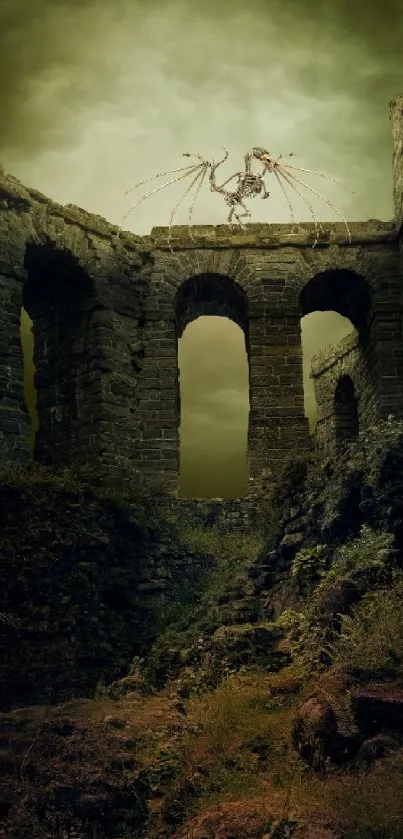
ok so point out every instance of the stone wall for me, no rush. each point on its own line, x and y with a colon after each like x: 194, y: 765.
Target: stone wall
x: 396, y: 121
x: 225, y: 516
x: 280, y: 279
x: 338, y: 366
x: 108, y: 312
x: 86, y: 303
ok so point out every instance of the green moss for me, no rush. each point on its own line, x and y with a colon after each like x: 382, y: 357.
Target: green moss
x: 308, y: 564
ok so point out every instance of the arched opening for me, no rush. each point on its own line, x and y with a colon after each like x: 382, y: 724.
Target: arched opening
x: 345, y: 412
x: 213, y: 428
x: 334, y: 304
x: 319, y: 332
x: 213, y: 388
x: 57, y: 302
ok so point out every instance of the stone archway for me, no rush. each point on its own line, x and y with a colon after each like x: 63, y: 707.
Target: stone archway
x: 319, y: 331
x: 339, y: 290
x: 211, y: 294
x: 123, y: 388
x: 334, y: 369
x: 57, y: 297
x: 219, y: 297
x: 345, y: 412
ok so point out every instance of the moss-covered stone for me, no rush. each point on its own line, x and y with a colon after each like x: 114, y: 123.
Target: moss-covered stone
x: 86, y: 584
x: 252, y: 645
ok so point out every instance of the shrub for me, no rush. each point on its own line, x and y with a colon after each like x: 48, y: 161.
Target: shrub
x: 369, y: 556
x: 308, y: 564
x: 379, y: 617
x: 363, y: 563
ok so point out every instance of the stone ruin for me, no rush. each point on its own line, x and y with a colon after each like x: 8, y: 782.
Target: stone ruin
x: 107, y: 314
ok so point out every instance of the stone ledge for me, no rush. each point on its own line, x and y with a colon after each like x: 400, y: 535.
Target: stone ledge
x: 372, y: 231
x: 327, y: 358
x: 14, y: 194
x: 258, y: 236
x: 224, y: 515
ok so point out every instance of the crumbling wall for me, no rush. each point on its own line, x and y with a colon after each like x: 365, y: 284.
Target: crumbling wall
x: 329, y: 367
x: 224, y: 515
x: 85, y: 298
x: 396, y: 122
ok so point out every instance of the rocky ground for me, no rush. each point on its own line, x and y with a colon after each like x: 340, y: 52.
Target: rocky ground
x: 256, y: 757
x: 261, y: 695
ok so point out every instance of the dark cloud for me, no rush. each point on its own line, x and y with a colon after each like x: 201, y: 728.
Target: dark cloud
x: 49, y: 70
x: 60, y: 57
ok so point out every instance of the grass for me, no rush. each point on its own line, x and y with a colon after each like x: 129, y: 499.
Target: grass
x: 187, y: 623
x: 239, y: 744
x: 220, y: 761
x: 227, y: 760
x: 378, y: 616
x: 233, y: 552
x: 368, y: 805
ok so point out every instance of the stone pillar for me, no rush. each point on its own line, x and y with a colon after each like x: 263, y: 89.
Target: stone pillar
x: 14, y: 419
x: 396, y: 120
x: 86, y: 393
x: 106, y: 380
x: 394, y: 356
x: 277, y: 425
x: 386, y: 342
x: 158, y: 404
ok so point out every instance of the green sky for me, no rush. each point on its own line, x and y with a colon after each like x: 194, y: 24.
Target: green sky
x: 95, y: 96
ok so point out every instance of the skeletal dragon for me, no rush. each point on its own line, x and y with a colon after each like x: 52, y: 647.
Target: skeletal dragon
x: 249, y: 184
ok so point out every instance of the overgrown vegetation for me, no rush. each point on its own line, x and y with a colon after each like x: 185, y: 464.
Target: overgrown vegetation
x: 357, y: 570
x: 86, y: 583
x: 195, y: 742
x: 183, y: 641
x: 378, y: 617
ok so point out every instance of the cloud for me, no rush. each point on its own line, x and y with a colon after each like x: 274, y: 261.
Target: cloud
x: 129, y: 84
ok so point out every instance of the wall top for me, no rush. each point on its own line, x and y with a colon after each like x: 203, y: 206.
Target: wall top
x: 15, y: 196
x: 330, y: 354
x: 272, y: 235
